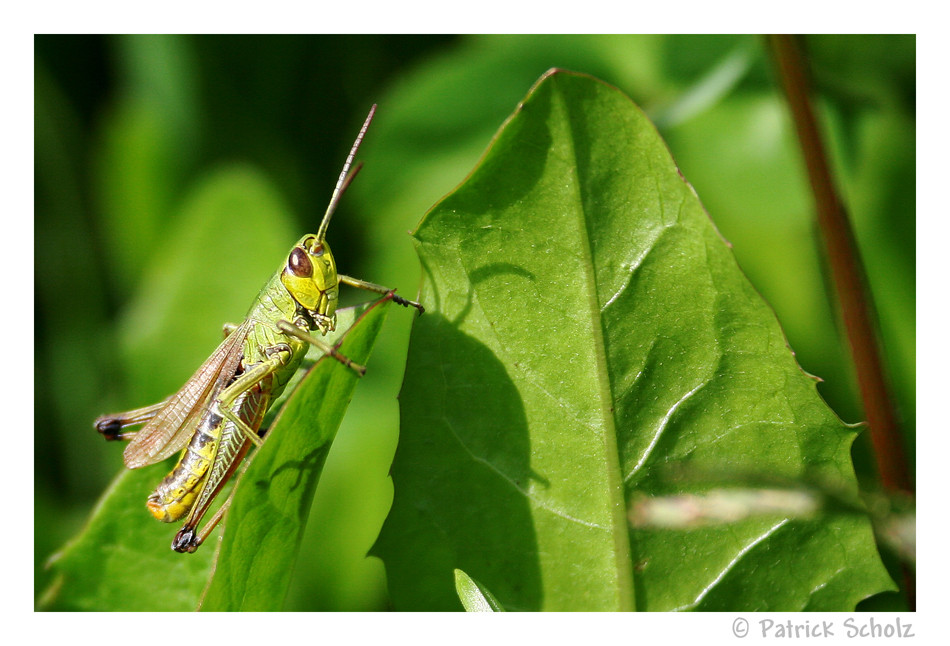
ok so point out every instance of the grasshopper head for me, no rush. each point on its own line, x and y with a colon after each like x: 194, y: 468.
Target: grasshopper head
x: 310, y: 276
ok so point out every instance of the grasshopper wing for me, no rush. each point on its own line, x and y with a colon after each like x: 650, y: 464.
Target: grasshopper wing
x: 172, y: 427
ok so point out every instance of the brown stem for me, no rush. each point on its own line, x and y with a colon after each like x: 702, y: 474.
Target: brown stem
x: 847, y: 273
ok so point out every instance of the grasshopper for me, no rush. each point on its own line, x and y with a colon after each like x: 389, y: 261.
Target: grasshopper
x: 216, y: 416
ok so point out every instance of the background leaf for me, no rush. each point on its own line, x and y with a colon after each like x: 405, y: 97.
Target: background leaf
x: 588, y: 329
x: 122, y: 560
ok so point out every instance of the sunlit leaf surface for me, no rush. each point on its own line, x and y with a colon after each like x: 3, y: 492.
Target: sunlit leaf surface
x: 588, y: 329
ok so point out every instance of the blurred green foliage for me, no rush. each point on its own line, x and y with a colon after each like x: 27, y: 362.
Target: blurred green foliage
x: 136, y: 137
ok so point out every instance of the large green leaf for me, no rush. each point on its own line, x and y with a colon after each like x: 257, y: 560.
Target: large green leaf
x: 587, y: 329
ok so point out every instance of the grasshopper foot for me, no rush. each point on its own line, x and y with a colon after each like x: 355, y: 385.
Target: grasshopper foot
x: 185, y: 541
x: 407, y: 303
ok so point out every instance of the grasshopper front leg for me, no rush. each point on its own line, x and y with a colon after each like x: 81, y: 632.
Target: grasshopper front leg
x: 294, y: 331
x: 380, y: 289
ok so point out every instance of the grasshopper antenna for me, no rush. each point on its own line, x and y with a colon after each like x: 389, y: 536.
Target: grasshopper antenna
x: 345, y: 178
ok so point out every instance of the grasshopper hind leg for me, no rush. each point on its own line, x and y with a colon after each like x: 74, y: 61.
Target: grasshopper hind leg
x: 188, y: 539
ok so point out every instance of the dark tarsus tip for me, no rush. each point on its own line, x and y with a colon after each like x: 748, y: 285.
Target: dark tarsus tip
x: 185, y: 541
x: 407, y: 303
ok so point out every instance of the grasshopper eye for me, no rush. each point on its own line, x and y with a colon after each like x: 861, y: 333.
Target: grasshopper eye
x: 299, y: 264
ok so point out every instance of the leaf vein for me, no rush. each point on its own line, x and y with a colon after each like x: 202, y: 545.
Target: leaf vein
x: 663, y: 425
x: 504, y: 476
x: 731, y: 564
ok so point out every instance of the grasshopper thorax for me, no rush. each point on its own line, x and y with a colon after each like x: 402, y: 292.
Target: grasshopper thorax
x: 310, y: 276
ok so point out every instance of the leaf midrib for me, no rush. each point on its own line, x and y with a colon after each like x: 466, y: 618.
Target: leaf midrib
x: 624, y: 562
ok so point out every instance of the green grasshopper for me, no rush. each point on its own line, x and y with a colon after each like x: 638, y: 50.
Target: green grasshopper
x: 219, y: 411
